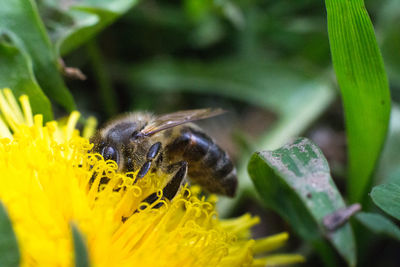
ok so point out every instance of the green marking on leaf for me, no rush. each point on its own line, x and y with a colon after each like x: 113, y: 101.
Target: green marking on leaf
x: 16, y: 73
x: 365, y: 91
x: 387, y: 197
x: 80, y: 249
x: 21, y: 17
x: 379, y: 224
x: 295, y: 181
x: 9, y: 251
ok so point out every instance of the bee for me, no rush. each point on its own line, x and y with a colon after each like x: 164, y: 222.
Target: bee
x: 171, y: 143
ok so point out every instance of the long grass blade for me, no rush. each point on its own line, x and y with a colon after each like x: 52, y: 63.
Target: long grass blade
x: 364, y: 87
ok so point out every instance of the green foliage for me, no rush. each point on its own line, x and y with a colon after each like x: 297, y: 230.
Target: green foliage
x: 388, y: 19
x: 379, y: 224
x: 310, y: 100
x: 103, y: 80
x: 271, y: 56
x: 22, y: 19
x: 9, y: 251
x: 389, y: 167
x: 249, y: 80
x: 295, y: 181
x: 364, y: 88
x: 386, y: 196
x: 72, y: 24
x: 16, y: 73
x: 68, y: 30
x: 80, y: 249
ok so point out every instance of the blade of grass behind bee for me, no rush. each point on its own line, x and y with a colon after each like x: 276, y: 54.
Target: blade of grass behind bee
x: 364, y: 87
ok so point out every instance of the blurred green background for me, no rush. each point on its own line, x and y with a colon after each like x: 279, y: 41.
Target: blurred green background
x: 267, y: 62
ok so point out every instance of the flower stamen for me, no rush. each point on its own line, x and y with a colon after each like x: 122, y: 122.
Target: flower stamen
x: 49, y: 179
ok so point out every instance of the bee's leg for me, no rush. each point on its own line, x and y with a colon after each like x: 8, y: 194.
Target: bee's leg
x: 175, y: 183
x: 143, y: 170
x: 170, y: 190
x: 103, y: 179
x: 151, y: 198
x: 154, y: 150
x: 172, y: 187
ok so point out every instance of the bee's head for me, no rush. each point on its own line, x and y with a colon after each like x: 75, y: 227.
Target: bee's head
x: 109, y: 150
x: 117, y: 140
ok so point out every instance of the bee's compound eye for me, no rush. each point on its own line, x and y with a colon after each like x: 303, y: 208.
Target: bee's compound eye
x: 109, y: 152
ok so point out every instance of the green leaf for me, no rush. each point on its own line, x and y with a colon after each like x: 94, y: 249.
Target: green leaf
x: 75, y: 23
x: 16, y: 73
x: 80, y: 249
x: 387, y: 197
x: 379, y: 224
x: 365, y: 91
x: 21, y: 17
x: 295, y: 181
x: 9, y: 251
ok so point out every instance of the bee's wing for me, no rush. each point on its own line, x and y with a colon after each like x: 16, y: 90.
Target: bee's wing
x: 170, y: 120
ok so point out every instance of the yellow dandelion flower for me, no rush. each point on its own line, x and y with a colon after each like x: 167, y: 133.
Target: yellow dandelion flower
x: 49, y: 181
